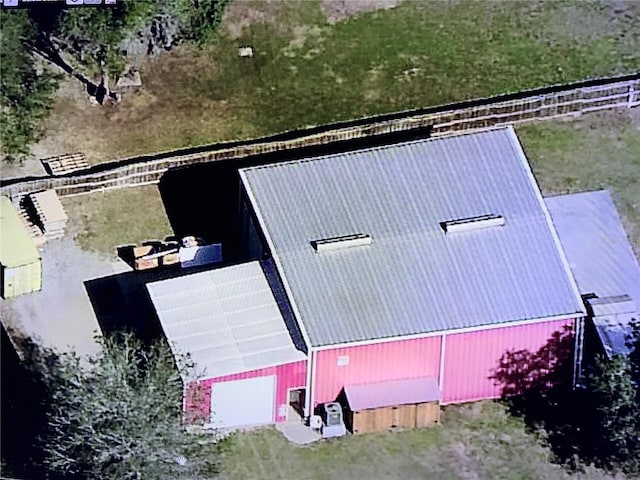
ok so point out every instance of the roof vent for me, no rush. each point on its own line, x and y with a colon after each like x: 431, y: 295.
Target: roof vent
x: 345, y: 241
x: 472, y: 223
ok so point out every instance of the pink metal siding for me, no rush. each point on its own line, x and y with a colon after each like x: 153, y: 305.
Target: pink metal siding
x: 470, y: 358
x: 374, y: 363
x: 290, y: 375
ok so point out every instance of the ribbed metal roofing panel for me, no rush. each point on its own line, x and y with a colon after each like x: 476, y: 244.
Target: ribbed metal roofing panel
x: 413, y: 278
x: 227, y: 320
x: 596, y: 245
x: 601, y: 259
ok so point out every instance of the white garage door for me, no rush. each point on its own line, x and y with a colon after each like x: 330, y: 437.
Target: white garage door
x: 243, y: 402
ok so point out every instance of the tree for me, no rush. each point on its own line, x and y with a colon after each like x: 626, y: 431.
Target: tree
x: 91, y: 36
x: 613, y: 394
x: 87, y: 41
x: 94, y: 37
x: 84, y: 43
x: 612, y: 427
x: 121, y: 417
x: 26, y: 92
x: 198, y: 18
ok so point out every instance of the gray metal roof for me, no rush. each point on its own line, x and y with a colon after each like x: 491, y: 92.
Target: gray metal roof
x: 392, y: 393
x: 227, y: 320
x: 601, y: 259
x: 413, y: 278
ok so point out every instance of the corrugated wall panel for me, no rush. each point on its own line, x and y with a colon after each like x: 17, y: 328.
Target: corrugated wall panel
x: 290, y: 375
x: 471, y: 358
x: 374, y: 363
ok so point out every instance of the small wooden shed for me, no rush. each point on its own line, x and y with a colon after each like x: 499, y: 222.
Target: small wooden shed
x: 410, y: 403
x: 20, y: 264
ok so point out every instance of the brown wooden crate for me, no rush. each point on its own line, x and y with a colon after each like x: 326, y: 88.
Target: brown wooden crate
x: 359, y: 422
x: 170, y: 259
x: 141, y: 264
x: 382, y: 419
x: 372, y: 420
x: 141, y: 251
x: 404, y: 416
x: 427, y: 414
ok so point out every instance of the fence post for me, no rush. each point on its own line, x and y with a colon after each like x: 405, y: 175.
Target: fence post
x: 632, y: 92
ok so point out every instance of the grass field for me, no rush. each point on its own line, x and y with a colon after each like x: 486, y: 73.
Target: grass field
x: 308, y: 71
x: 102, y: 221
x: 475, y: 442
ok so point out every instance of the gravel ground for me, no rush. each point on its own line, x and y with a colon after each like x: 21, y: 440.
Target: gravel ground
x: 61, y: 315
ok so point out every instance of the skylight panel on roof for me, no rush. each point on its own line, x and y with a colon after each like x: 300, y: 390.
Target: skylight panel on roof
x: 472, y: 223
x: 345, y: 241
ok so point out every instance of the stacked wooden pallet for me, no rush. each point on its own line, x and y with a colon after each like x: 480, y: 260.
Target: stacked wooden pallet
x: 32, y: 229
x: 50, y: 212
x: 64, y: 164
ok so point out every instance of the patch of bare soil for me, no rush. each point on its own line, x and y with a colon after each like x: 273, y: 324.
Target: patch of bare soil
x: 623, y: 9
x: 60, y: 137
x: 77, y: 133
x: 241, y: 14
x: 15, y: 170
x: 582, y: 22
x: 339, y: 10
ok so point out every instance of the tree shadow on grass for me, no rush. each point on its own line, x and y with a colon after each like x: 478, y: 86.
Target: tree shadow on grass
x: 537, y: 386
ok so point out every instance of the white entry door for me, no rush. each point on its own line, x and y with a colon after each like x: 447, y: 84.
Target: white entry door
x: 243, y: 402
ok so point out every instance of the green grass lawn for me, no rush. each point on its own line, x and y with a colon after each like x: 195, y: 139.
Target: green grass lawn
x: 102, y: 221
x: 476, y: 441
x: 306, y: 71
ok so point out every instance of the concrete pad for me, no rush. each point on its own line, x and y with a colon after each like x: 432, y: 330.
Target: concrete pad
x: 298, y: 433
x: 61, y: 315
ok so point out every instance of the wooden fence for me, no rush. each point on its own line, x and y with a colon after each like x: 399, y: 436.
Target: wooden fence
x: 545, y: 103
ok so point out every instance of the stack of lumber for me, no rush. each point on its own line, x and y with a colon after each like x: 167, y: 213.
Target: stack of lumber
x: 32, y: 229
x: 50, y: 212
x: 63, y: 164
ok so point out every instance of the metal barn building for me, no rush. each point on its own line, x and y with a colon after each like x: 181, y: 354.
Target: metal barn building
x: 228, y: 322
x: 425, y: 260
x: 20, y: 263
